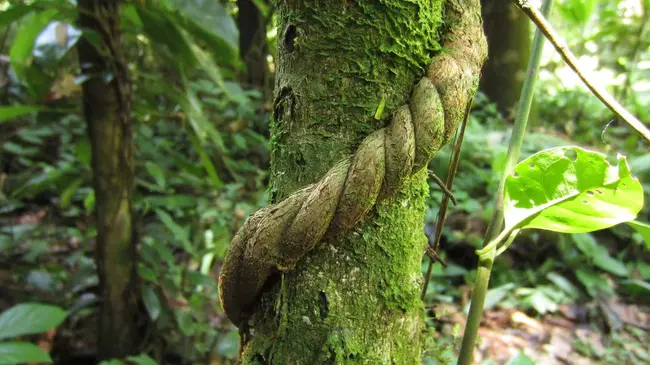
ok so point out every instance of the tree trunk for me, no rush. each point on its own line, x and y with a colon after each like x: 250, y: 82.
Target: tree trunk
x: 355, y: 299
x: 107, y: 107
x: 330, y: 273
x: 509, y: 40
x: 253, y: 48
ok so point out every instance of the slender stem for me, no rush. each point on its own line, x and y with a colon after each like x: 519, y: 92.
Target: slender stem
x: 507, y: 244
x: 454, y: 160
x: 496, y: 222
x: 572, y: 61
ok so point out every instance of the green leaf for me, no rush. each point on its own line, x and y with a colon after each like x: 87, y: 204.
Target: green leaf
x: 599, y: 254
x: 83, y: 151
x: 520, y: 359
x: 643, y: 229
x: 151, y: 302
x: 636, y: 287
x: 205, y: 160
x: 496, y: 295
x: 565, y: 285
x: 594, y: 283
x: 179, y: 232
x: 157, y: 173
x: 22, y: 352
x: 161, y: 29
x: 112, y: 362
x: 8, y: 113
x: 30, y: 318
x: 68, y: 193
x: 210, y: 22
x: 142, y: 359
x: 570, y: 190
x: 14, y: 14
x: 20, y: 54
x: 577, y: 11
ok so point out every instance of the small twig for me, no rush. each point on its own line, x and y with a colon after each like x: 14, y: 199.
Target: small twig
x: 443, y: 187
x: 433, y: 255
x: 442, y: 212
x: 571, y: 60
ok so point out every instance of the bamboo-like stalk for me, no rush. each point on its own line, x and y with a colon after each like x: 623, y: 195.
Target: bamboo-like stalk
x: 496, y: 222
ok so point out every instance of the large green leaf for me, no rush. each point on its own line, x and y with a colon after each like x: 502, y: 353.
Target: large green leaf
x: 30, y: 318
x: 20, y: 54
x: 570, y: 190
x: 577, y: 11
x: 210, y: 22
x: 16, y: 12
x: 643, y: 229
x: 22, y: 352
x: 8, y: 113
x: 162, y: 26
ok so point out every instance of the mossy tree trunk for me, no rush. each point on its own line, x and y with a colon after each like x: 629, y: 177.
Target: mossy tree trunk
x: 355, y: 299
x: 509, y: 40
x: 107, y: 107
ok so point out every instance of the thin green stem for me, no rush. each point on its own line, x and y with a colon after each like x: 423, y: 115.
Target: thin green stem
x: 496, y: 222
x: 505, y: 246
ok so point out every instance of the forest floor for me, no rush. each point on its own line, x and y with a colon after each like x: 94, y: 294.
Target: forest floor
x: 619, y: 335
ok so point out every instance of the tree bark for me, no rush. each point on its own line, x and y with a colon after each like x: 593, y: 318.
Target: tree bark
x: 355, y: 299
x: 509, y: 41
x: 107, y: 108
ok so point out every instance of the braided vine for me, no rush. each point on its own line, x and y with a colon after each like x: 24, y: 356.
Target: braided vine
x: 276, y: 237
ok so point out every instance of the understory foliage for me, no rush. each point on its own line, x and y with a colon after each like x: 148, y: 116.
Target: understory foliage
x: 202, y: 163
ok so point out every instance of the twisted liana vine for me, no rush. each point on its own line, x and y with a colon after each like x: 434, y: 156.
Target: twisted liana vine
x: 276, y: 237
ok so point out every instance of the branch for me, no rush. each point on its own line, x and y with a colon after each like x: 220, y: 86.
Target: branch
x: 571, y: 60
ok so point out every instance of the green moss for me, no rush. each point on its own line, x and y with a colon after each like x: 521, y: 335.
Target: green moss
x: 354, y: 299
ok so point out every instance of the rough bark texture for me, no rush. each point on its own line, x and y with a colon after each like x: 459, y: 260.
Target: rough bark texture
x: 355, y: 298
x: 107, y: 107
x: 509, y: 41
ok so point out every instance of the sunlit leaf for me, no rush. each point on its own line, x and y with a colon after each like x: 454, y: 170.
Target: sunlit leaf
x: 12, y: 353
x: 571, y: 190
x: 577, y: 11
x: 29, y: 318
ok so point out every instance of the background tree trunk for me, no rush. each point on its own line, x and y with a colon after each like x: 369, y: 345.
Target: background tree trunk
x: 107, y: 107
x: 509, y: 41
x: 253, y: 48
x: 355, y: 299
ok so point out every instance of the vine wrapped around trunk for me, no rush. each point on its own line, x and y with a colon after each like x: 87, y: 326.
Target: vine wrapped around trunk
x: 276, y: 237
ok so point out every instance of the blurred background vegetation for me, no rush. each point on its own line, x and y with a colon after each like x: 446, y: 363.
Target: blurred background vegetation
x: 202, y: 74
